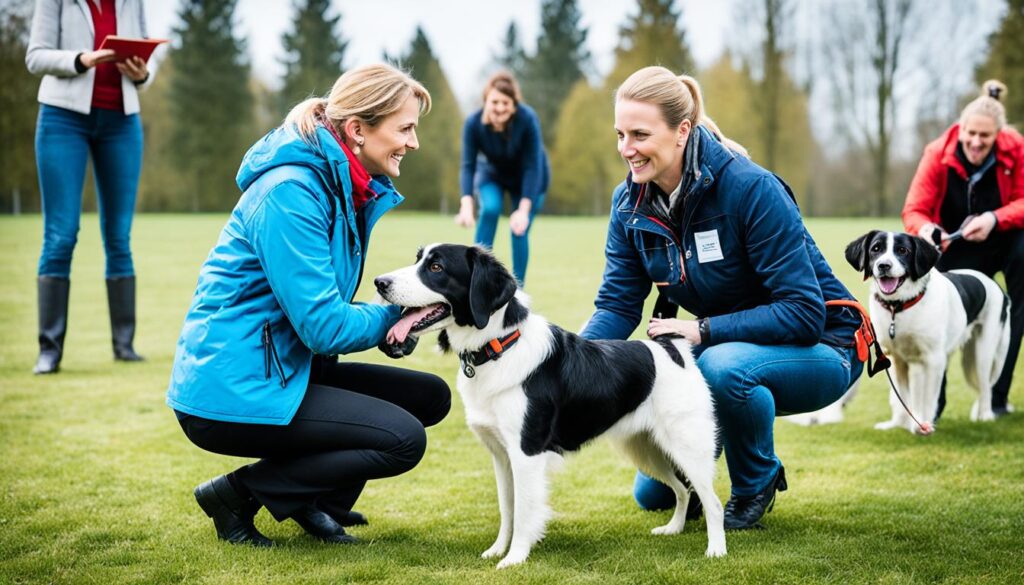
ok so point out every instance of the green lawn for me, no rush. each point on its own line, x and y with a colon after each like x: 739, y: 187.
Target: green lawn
x: 96, y: 477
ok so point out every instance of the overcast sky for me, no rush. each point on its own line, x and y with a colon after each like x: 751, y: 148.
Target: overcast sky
x: 464, y: 34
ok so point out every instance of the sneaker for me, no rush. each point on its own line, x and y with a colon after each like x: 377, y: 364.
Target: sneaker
x: 745, y: 512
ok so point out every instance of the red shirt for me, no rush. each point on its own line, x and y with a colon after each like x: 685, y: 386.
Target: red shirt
x: 106, y: 90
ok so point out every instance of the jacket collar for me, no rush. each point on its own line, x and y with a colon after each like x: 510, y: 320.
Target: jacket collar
x: 712, y: 158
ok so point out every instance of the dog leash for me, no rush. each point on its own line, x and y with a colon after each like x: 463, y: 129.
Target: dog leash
x: 865, y: 338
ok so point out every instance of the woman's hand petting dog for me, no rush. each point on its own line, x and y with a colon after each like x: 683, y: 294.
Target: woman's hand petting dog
x: 688, y: 330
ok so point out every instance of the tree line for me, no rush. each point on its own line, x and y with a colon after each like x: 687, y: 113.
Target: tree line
x: 878, y: 77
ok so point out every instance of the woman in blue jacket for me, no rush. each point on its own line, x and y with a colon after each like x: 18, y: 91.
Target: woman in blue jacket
x: 507, y: 133
x: 723, y: 239
x: 256, y: 371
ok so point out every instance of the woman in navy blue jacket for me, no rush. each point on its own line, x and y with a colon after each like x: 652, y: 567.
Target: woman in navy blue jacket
x: 507, y: 133
x: 723, y: 239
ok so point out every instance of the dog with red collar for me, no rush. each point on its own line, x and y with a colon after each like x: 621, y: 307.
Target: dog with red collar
x: 533, y: 391
x: 921, y: 316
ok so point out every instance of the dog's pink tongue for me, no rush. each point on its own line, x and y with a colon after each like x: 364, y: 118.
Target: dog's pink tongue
x: 888, y: 285
x: 400, y: 331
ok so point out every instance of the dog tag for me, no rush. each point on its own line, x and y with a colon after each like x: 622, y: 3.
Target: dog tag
x: 468, y: 370
x: 892, y: 330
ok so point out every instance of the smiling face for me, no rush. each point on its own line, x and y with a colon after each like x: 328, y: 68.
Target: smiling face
x: 653, y: 150
x: 898, y: 262
x: 386, y: 143
x: 977, y: 136
x: 498, y: 109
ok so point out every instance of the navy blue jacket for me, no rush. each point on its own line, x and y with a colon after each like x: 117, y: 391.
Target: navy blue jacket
x: 758, y: 277
x: 515, y: 158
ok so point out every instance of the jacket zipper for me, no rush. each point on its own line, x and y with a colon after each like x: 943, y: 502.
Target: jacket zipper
x: 270, y: 354
x: 679, y: 247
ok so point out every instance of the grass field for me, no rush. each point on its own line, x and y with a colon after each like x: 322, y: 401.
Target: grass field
x: 96, y: 477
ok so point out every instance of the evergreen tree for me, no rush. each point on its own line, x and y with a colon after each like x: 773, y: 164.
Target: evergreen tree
x: 210, y: 103
x: 1006, y: 60
x: 17, y: 114
x: 313, y: 53
x: 512, y: 56
x: 558, y: 63
x: 430, y: 175
x: 651, y: 37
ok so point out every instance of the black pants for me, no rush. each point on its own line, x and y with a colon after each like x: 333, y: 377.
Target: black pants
x: 357, y: 422
x: 1002, y: 251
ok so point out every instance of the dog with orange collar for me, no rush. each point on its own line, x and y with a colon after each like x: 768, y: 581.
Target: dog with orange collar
x: 533, y: 391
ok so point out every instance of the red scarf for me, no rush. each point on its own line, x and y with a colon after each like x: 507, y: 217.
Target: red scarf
x: 361, y: 192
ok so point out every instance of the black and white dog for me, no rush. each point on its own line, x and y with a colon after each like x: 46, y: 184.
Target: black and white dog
x: 922, y: 315
x: 532, y: 391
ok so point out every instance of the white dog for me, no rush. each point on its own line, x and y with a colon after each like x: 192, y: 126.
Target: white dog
x: 922, y: 315
x: 533, y: 391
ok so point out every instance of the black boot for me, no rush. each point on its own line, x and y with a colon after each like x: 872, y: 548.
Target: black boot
x: 52, y: 292
x: 121, y: 302
x: 321, y: 525
x: 744, y: 512
x: 232, y: 514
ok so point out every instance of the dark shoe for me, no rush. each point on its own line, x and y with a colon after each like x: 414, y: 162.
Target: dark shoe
x: 231, y: 513
x: 320, y: 525
x: 350, y: 518
x: 745, y: 512
x: 52, y: 293
x: 121, y: 302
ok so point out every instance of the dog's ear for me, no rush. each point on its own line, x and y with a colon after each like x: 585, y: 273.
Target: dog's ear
x: 490, y: 285
x: 924, y: 257
x: 857, y: 253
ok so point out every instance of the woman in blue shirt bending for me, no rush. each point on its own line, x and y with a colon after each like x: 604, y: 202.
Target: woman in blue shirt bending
x: 507, y: 132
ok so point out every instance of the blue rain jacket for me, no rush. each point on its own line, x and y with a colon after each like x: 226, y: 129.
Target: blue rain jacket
x: 278, y: 285
x: 741, y: 257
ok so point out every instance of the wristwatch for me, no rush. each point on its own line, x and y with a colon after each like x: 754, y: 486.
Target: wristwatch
x: 704, y: 328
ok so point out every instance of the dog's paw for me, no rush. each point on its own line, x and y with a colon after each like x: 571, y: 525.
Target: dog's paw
x: 398, y: 350
x: 886, y: 425
x: 714, y: 551
x: 513, y: 558
x: 667, y: 529
x: 496, y: 550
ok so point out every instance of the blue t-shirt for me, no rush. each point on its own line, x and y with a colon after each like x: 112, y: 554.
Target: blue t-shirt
x: 515, y: 158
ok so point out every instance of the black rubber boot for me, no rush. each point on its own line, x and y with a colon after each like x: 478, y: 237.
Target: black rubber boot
x: 52, y: 292
x: 121, y: 302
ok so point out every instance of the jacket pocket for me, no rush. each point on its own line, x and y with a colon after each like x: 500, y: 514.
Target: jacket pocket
x: 271, y: 360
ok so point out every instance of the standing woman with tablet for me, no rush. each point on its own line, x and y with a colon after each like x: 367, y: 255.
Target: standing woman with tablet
x: 89, y: 107
x: 507, y: 133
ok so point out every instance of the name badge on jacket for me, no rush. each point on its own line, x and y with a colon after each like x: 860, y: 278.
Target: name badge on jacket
x: 709, y: 249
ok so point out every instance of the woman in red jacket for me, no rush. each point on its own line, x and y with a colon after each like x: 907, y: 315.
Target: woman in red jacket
x: 968, y: 197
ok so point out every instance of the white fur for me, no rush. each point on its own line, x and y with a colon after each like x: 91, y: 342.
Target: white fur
x: 928, y: 332
x: 673, y: 428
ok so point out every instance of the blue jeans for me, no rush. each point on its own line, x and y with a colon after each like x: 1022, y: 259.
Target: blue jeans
x: 751, y: 384
x: 64, y: 142
x: 491, y: 198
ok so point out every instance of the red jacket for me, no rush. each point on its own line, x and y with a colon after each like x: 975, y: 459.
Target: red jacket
x: 928, y: 189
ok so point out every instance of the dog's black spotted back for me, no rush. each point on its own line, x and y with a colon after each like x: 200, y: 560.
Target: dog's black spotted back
x: 972, y: 293
x: 575, y: 378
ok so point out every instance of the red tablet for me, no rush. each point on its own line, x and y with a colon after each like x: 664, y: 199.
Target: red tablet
x: 127, y: 47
